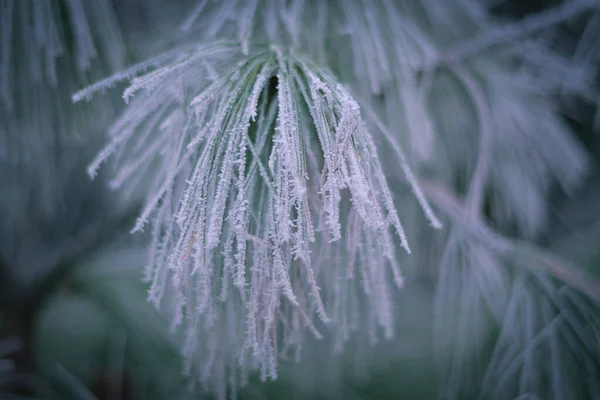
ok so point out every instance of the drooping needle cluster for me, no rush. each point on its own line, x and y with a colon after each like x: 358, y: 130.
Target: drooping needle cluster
x: 269, y: 208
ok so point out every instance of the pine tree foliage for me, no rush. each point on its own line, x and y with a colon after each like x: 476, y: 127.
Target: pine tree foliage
x: 48, y: 49
x: 268, y: 205
x: 258, y: 173
x: 540, y: 330
x: 481, y: 288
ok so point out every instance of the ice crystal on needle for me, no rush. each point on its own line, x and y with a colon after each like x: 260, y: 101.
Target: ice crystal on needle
x: 262, y: 177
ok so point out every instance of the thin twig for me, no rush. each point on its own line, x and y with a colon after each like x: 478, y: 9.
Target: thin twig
x: 540, y: 259
x: 511, y: 32
x: 476, y: 191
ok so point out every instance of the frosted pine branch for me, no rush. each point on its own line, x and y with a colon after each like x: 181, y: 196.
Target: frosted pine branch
x: 269, y: 210
x: 269, y: 207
